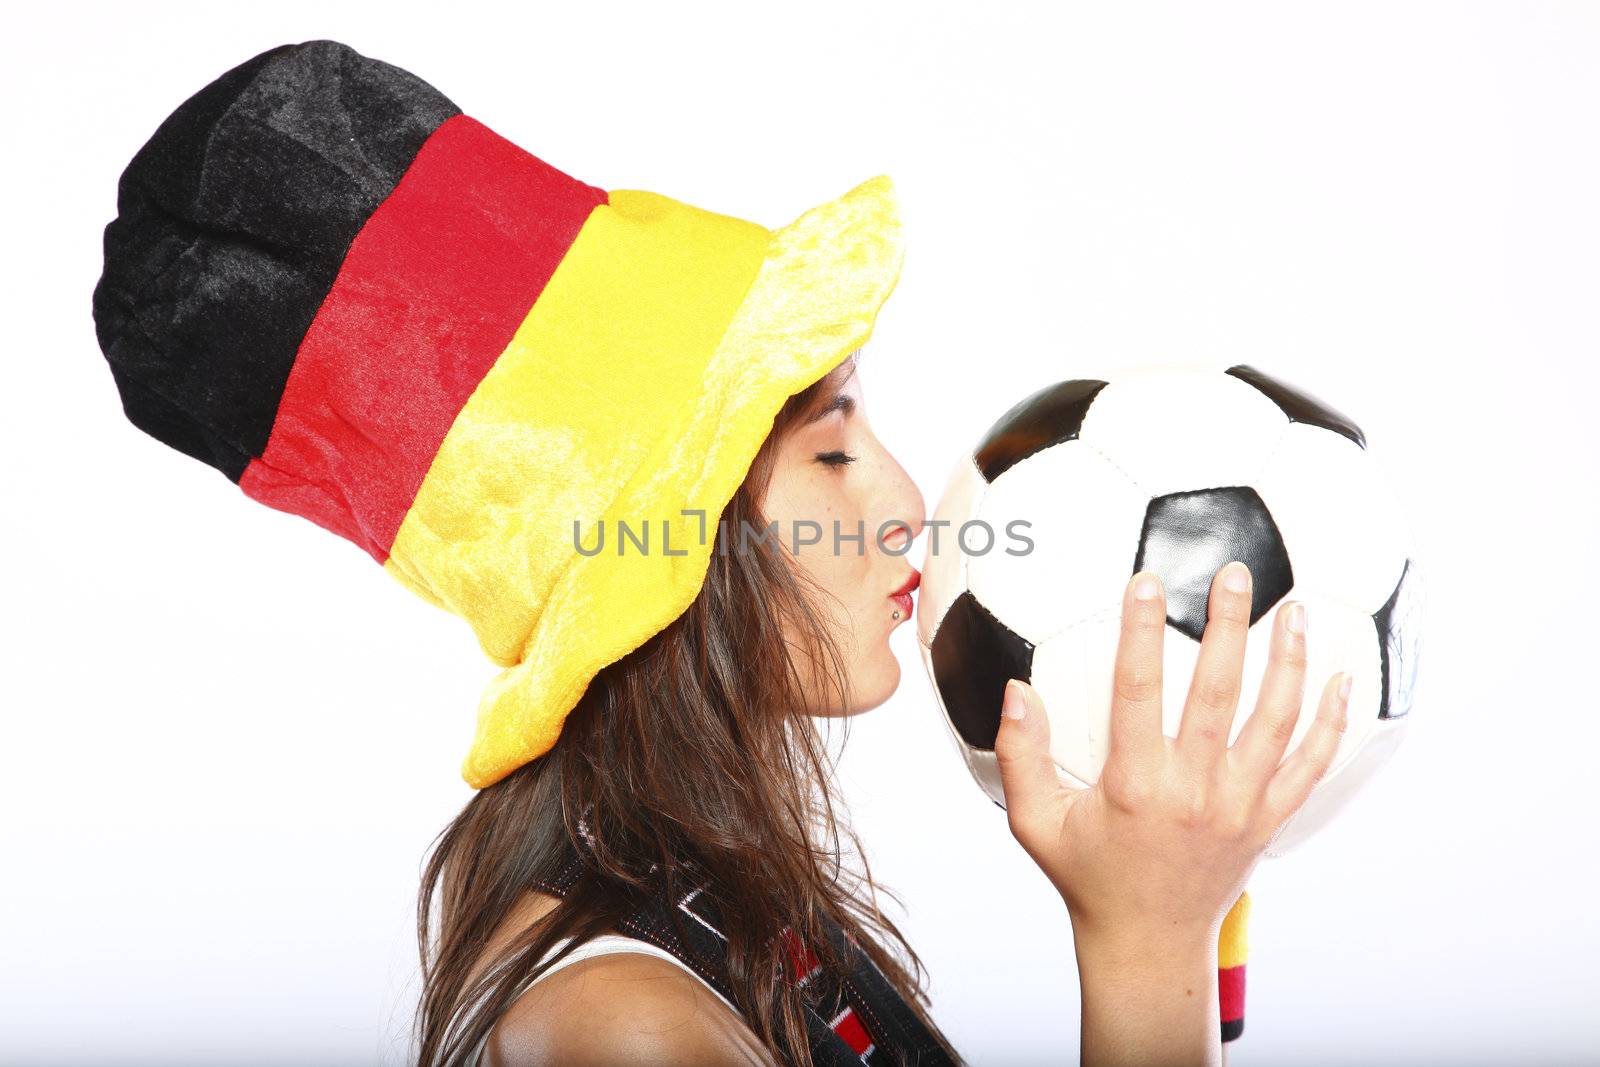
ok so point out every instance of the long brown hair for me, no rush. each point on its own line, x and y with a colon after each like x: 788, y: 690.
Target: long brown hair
x: 688, y: 754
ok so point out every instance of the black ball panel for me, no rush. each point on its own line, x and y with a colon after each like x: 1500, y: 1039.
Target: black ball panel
x: 1188, y: 537
x: 974, y: 655
x: 1399, y: 643
x: 1052, y: 415
x: 1299, y: 405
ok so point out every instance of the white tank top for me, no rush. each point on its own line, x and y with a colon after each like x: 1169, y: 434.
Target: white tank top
x: 603, y: 945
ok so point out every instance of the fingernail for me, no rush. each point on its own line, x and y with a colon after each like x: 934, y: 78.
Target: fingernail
x: 1236, y: 577
x: 1145, y: 588
x: 1297, y: 618
x: 1015, y: 706
x: 1344, y: 686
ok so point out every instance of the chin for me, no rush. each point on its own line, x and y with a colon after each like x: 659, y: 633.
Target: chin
x: 877, y: 684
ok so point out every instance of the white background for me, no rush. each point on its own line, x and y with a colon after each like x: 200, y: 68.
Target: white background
x: 229, y: 737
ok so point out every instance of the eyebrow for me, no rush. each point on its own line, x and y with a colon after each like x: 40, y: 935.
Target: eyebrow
x: 841, y: 402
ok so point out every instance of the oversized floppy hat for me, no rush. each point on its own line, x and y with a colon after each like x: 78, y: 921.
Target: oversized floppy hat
x: 366, y: 308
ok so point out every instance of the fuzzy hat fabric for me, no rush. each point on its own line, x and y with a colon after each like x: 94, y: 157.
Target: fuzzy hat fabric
x: 366, y: 308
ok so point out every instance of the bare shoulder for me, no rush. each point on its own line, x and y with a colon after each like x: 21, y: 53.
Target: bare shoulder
x: 622, y: 1009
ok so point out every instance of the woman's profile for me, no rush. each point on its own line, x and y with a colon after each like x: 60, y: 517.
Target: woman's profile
x: 594, y: 424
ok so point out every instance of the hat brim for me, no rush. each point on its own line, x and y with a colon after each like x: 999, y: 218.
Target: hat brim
x: 814, y: 300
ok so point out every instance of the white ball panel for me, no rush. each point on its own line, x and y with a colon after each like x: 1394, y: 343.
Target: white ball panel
x: 1336, y: 791
x: 1116, y: 370
x: 1226, y: 429
x: 1337, y: 514
x: 1076, y: 693
x: 1085, y: 521
x: 985, y: 770
x: 1338, y: 637
x: 943, y: 570
x: 1178, y: 658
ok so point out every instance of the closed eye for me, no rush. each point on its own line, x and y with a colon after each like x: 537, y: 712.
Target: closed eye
x: 835, y: 459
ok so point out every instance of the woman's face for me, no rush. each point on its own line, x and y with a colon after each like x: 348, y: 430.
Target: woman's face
x: 833, y: 470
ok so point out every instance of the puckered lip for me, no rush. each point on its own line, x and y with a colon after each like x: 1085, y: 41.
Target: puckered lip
x: 910, y: 583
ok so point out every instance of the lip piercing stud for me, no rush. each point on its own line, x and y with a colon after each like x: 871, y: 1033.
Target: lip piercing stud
x: 897, y: 613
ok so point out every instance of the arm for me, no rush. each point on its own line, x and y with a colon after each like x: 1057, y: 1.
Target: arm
x: 1114, y: 977
x: 1148, y: 1000
x: 1151, y: 857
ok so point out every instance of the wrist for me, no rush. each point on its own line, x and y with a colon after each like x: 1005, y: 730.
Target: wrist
x: 1150, y: 995
x: 1130, y: 945
x: 1153, y: 966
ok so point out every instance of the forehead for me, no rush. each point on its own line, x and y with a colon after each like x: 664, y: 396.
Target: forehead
x: 842, y: 378
x: 838, y: 392
x: 833, y: 392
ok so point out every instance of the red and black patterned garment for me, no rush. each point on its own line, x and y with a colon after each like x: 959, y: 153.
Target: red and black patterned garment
x: 851, y: 1019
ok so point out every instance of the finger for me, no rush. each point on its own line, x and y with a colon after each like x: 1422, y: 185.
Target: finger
x: 1135, y: 742
x: 1305, y: 767
x: 1028, y: 778
x: 1214, y: 690
x: 1265, y: 735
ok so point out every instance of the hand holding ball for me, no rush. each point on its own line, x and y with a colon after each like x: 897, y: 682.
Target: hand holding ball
x: 1160, y: 847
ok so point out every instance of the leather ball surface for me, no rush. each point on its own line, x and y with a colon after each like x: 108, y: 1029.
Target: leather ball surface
x: 1176, y: 469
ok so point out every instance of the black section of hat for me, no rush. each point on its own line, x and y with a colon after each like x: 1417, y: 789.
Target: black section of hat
x: 233, y: 221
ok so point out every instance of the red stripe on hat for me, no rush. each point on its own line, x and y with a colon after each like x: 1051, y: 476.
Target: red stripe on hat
x: 429, y: 294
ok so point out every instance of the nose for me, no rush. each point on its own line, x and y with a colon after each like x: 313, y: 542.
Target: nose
x: 915, y: 521
x: 919, y: 509
x: 908, y: 517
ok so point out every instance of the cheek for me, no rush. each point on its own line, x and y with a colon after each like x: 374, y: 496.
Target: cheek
x: 837, y: 561
x: 851, y: 572
x: 845, y: 561
x: 842, y: 568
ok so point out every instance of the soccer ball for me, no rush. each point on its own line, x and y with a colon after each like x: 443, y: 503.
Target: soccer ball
x: 1176, y: 469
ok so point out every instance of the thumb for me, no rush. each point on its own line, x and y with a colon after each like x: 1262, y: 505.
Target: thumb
x: 1022, y: 748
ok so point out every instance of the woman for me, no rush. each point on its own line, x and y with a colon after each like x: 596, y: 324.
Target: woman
x: 368, y: 309
x: 1147, y: 861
